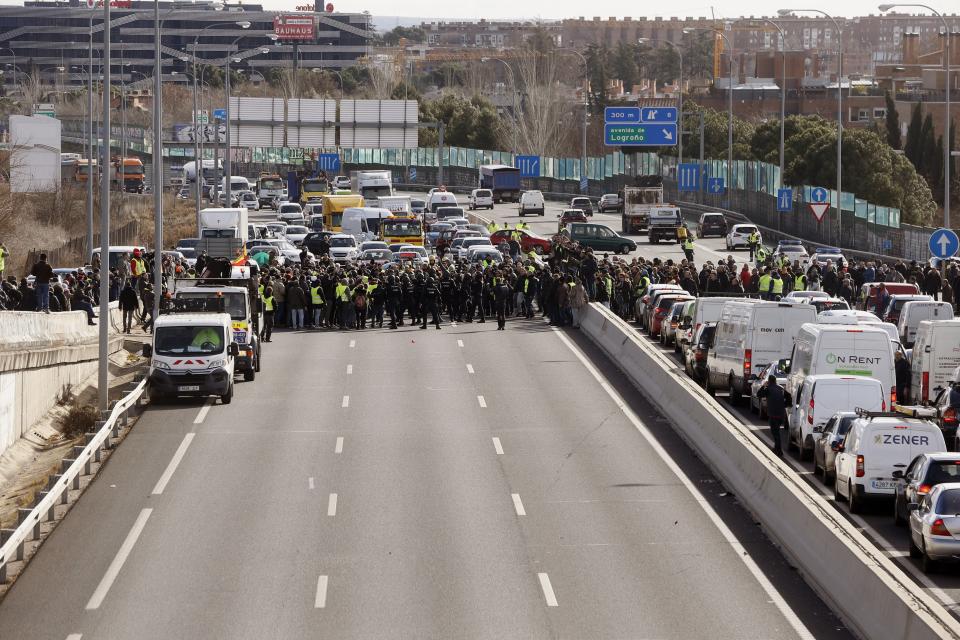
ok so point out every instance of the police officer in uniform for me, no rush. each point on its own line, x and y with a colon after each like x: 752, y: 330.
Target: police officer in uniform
x: 501, y: 296
x: 688, y: 249
x: 430, y: 302
x: 752, y: 241
x: 269, y: 307
x: 394, y: 295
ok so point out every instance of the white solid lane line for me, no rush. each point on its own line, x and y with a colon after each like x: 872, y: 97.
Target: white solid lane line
x: 114, y: 569
x: 349, y: 369
x: 310, y: 483
x: 346, y: 402
x: 353, y: 343
x: 74, y: 636
x: 321, y: 600
x: 332, y: 505
x: 174, y: 462
x: 497, y: 446
x: 482, y: 401
x: 518, y: 505
x: 203, y: 411
x: 460, y: 343
x: 470, y: 368
x: 339, y: 447
x: 735, y: 545
x: 548, y: 594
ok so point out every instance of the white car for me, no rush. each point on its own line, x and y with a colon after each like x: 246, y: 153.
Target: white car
x: 343, y: 248
x: 276, y: 229
x: 341, y: 182
x: 792, y: 250
x: 295, y: 233
x: 824, y: 254
x: 372, y: 244
x: 739, y: 236
x: 249, y: 200
x: 423, y: 256
x: 290, y: 212
x: 531, y: 202
x: 481, y: 198
x: 490, y: 254
x: 378, y: 256
x: 286, y: 249
x: 468, y: 243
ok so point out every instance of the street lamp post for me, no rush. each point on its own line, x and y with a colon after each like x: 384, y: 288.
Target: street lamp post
x: 783, y: 94
x: 516, y: 110
x: 103, y: 374
x: 836, y: 26
x: 586, y: 104
x: 227, y: 160
x: 946, y: 119
x: 729, y: 178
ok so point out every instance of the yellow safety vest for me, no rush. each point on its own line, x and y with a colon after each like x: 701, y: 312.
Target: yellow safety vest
x: 609, y: 283
x: 3, y: 259
x: 777, y: 286
x: 138, y: 267
x: 799, y: 283
x: 315, y: 296
x: 268, y: 303
x: 371, y: 288
x: 526, y: 285
x: 342, y: 293
x: 761, y: 255
x: 260, y: 290
x: 688, y: 245
x: 764, y: 285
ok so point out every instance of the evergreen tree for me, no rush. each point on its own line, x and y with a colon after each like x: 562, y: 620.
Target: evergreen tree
x: 893, y: 123
x: 913, y: 146
x: 928, y: 149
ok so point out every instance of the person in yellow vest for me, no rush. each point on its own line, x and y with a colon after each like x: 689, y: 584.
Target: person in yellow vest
x: 761, y: 255
x: 776, y: 286
x: 317, y: 302
x: 492, y: 227
x: 688, y: 249
x: 681, y: 234
x: 763, y: 284
x: 4, y: 254
x: 753, y: 240
x: 800, y: 282
x: 208, y: 336
x: 269, y: 307
x: 137, y: 268
x: 342, y: 295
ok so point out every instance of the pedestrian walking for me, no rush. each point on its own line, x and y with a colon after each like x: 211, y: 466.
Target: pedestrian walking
x: 129, y: 304
x: 269, y: 308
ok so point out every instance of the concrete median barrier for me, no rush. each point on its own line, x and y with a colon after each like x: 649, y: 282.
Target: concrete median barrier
x: 873, y: 596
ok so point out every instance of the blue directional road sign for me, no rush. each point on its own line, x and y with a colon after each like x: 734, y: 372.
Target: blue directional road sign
x: 220, y: 114
x: 688, y: 177
x: 716, y: 186
x: 529, y: 166
x: 584, y: 183
x: 328, y: 162
x: 413, y: 174
x: 944, y: 243
x: 621, y: 114
x: 639, y: 135
x: 658, y: 114
x: 784, y: 200
x: 819, y: 195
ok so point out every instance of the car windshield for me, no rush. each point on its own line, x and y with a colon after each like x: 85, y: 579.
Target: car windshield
x: 271, y: 183
x: 483, y: 193
x: 343, y: 242
x: 745, y: 229
x: 195, y: 340
x: 470, y: 242
x: 949, y: 502
x: 392, y: 227
x: 377, y: 254
x: 233, y: 301
x: 296, y: 229
x: 290, y: 208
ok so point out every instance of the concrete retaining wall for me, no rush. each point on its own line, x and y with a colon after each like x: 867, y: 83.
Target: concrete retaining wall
x: 874, y: 597
x: 40, y: 354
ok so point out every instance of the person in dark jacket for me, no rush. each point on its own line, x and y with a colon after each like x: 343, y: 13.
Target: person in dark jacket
x: 902, y: 370
x: 777, y: 402
x: 42, y: 273
x: 129, y: 303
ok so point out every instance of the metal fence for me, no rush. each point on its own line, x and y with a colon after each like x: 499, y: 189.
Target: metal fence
x: 76, y: 247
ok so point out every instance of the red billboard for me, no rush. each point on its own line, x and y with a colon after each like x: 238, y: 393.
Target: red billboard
x: 295, y: 27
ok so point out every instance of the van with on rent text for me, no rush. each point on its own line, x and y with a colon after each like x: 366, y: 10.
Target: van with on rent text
x: 844, y: 350
x: 749, y: 336
x: 877, y: 445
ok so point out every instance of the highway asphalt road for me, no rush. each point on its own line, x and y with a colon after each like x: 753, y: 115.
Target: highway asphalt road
x: 463, y: 483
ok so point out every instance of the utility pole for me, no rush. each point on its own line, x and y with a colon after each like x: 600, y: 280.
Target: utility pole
x: 103, y: 377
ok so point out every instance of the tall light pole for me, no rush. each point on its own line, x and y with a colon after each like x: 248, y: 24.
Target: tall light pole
x: 729, y: 103
x: 586, y: 105
x: 836, y: 26
x: 103, y: 374
x: 227, y: 160
x: 946, y: 119
x: 783, y: 93
x: 675, y: 47
x: 516, y: 111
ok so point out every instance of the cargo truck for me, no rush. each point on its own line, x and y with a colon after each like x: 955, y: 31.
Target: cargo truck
x: 127, y: 174
x: 502, y: 180
x: 270, y: 188
x: 371, y: 184
x: 637, y: 202
x: 222, y: 231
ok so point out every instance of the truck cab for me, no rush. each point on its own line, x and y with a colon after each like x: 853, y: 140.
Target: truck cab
x: 193, y: 355
x: 241, y: 305
x: 663, y: 223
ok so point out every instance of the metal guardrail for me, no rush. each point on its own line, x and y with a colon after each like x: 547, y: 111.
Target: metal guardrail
x: 59, y: 485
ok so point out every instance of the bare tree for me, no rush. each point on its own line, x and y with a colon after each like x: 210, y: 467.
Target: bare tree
x: 541, y: 125
x: 384, y: 77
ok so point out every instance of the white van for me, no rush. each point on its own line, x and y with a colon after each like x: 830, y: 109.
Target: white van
x: 823, y: 395
x: 705, y: 309
x: 531, y: 202
x: 749, y: 336
x: 363, y: 223
x: 875, y: 446
x: 481, y: 198
x: 936, y: 355
x: 915, y: 312
x: 439, y: 199
x: 843, y: 350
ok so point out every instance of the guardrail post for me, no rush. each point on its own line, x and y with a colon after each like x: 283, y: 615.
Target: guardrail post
x: 58, y: 478
x: 65, y: 466
x: 88, y: 438
x: 42, y: 495
x: 22, y: 516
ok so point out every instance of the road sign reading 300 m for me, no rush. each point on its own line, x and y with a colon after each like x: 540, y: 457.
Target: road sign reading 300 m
x: 640, y: 135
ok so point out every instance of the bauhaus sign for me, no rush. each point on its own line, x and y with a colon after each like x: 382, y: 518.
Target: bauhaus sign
x: 293, y: 27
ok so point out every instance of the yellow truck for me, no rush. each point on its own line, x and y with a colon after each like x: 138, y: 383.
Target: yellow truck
x: 333, y: 208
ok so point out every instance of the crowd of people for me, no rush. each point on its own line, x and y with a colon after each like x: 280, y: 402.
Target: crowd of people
x: 320, y: 293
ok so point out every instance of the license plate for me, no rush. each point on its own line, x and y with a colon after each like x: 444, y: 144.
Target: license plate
x: 884, y: 484
x: 190, y: 387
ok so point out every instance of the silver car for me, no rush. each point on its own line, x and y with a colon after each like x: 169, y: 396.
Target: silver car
x: 778, y: 369
x: 934, y: 526
x: 824, y: 454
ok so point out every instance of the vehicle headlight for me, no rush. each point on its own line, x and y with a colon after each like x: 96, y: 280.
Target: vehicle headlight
x: 218, y: 363
x: 159, y: 364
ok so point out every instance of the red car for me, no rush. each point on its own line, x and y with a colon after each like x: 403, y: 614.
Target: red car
x: 528, y: 241
x: 663, y: 308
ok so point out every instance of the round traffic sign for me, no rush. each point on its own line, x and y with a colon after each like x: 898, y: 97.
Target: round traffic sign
x: 944, y: 243
x: 818, y: 195
x: 91, y: 4
x: 329, y: 7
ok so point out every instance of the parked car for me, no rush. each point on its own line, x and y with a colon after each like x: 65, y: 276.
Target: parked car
x: 824, y: 451
x: 822, y: 255
x: 711, y: 223
x: 934, y: 526
x: 290, y: 212
x: 583, y: 203
x: 296, y: 233
x: 529, y: 241
x: 609, y: 202
x: 739, y: 236
x: 695, y: 361
x: 249, y: 200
